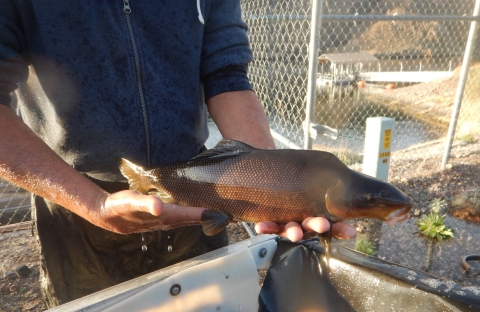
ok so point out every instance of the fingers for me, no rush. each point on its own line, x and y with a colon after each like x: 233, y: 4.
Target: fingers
x: 132, y: 201
x: 291, y: 230
x: 317, y: 224
x: 129, y: 211
x: 295, y: 232
x: 153, y: 205
x: 342, y: 230
x: 268, y: 227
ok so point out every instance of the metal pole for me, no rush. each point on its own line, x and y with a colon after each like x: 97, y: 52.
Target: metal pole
x: 378, y: 146
x: 461, y: 85
x: 368, y: 18
x: 248, y: 229
x: 286, y: 141
x: 317, y: 6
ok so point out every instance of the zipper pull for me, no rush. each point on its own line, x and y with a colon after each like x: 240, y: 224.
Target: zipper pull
x: 126, y: 6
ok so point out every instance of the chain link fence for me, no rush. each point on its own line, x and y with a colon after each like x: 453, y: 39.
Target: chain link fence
x: 16, y: 240
x: 418, y: 46
x: 426, y: 38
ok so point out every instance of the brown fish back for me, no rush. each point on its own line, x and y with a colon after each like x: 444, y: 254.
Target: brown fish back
x: 253, y: 187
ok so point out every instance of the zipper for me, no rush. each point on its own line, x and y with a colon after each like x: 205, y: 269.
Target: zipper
x: 127, y: 10
x: 126, y: 6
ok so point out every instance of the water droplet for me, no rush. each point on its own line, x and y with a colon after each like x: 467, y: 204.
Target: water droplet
x: 169, y: 248
x: 143, y: 238
x: 144, y: 247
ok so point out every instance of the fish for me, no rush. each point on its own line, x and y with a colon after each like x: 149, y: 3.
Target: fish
x: 237, y: 182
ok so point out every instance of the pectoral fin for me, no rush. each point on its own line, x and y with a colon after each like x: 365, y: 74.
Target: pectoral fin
x: 213, y: 222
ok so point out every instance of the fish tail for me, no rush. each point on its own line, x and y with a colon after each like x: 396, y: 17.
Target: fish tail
x: 133, y: 173
x: 214, y: 221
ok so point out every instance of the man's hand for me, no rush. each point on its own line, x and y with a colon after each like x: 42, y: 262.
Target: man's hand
x: 28, y: 162
x: 295, y: 232
x: 128, y: 211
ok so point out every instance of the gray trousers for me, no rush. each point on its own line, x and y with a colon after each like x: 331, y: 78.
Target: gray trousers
x: 79, y: 258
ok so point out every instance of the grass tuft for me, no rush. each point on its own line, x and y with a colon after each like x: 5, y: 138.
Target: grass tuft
x: 366, y: 248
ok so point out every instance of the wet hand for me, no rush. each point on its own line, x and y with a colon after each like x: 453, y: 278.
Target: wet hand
x: 296, y: 232
x: 129, y: 211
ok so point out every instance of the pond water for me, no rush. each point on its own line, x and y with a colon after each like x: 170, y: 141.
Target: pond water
x: 346, y: 109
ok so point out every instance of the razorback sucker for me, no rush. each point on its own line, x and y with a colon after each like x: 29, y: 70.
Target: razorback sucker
x: 237, y: 182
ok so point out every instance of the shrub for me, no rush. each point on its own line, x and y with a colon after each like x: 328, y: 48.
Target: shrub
x: 433, y: 226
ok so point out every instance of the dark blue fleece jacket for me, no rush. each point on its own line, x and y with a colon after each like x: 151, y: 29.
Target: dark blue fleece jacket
x: 98, y: 80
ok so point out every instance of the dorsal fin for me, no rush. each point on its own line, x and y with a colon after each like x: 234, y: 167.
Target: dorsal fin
x: 224, y: 148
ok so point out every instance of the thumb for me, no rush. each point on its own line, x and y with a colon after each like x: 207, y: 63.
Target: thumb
x: 136, y: 202
x: 148, y: 203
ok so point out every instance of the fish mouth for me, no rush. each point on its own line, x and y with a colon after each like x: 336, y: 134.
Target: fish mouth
x: 399, y: 215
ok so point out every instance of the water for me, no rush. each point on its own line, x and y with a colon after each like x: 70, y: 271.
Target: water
x: 345, y: 109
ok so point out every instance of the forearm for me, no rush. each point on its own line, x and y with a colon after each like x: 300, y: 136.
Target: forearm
x: 28, y: 162
x: 240, y: 116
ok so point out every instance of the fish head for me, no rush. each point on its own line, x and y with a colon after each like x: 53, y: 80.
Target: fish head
x: 362, y: 196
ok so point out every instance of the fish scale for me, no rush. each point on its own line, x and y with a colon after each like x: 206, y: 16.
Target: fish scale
x: 238, y: 182
x: 240, y: 186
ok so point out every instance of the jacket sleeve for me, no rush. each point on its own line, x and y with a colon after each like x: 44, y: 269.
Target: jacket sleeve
x: 13, y: 67
x: 226, y: 51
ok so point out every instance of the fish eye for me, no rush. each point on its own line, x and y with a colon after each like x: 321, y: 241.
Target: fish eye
x: 384, y: 193
x: 371, y: 197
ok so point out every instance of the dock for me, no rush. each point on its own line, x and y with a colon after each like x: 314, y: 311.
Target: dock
x: 342, y: 69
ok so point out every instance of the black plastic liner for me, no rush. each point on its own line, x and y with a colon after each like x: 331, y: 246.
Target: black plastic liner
x: 299, y: 280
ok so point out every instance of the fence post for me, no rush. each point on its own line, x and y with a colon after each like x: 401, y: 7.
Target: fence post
x: 376, y: 162
x: 461, y: 85
x: 317, y: 7
x: 378, y: 144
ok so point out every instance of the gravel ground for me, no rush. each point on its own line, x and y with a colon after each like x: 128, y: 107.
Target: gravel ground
x: 459, y: 186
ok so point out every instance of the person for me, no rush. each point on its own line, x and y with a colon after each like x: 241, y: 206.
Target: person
x: 82, y: 84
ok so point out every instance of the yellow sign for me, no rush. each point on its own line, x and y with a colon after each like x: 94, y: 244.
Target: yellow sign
x: 386, y: 154
x: 387, y: 138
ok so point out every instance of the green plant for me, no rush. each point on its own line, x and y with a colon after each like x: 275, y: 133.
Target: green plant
x: 433, y: 226
x: 366, y: 248
x: 438, y: 205
x: 468, y: 138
